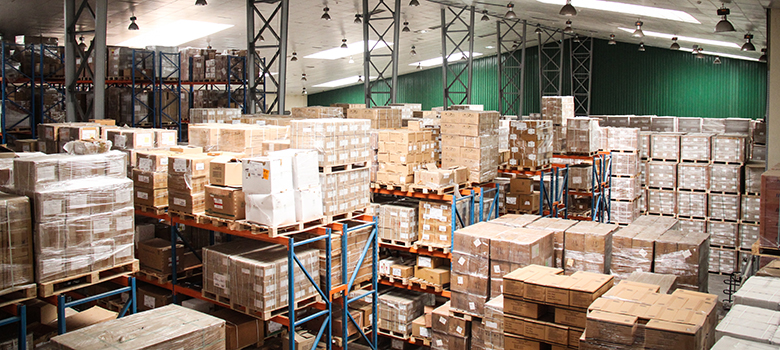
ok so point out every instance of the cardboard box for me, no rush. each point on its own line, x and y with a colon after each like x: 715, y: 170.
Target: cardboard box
x: 225, y: 202
x: 192, y: 166
x: 151, y: 297
x: 264, y: 175
x: 240, y: 330
x: 419, y: 329
x: 157, y: 198
x: 402, y: 271
x: 192, y: 203
x: 225, y: 171
x: 437, y: 276
x: 521, y: 185
x: 155, y: 255
x: 152, y: 161
x: 150, y: 180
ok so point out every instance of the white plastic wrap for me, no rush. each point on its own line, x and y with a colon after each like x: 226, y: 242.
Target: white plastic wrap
x: 583, y: 135
x: 397, y: 309
x: 338, y: 141
x: 725, y: 177
x: 47, y: 172
x: 693, y: 176
x: 621, y: 139
x: 692, y: 204
x: 724, y: 206
x: 661, y: 202
x: 695, y: 146
x: 665, y: 146
x: 661, y: 174
x: 625, y: 164
x: 729, y: 148
x: 16, y: 243
x: 345, y: 191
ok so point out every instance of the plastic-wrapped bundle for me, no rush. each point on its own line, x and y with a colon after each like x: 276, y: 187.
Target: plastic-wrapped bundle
x: 581, y: 177
x: 593, y: 256
x: 748, y: 234
x: 345, y: 191
x: 621, y: 139
x: 397, y: 309
x: 723, y: 260
x: 381, y: 118
x: 626, y: 188
x: 644, y: 143
x: 729, y: 148
x: 695, y: 146
x: 516, y: 248
x: 661, y: 174
x: 684, y: 254
x: 693, y: 176
x: 338, y: 141
x: 689, y: 124
x: 633, y: 245
x: 238, y: 138
x: 724, y: 206
x: 665, y: 146
x: 558, y: 109
x: 582, y: 135
x: 435, y: 222
x: 557, y: 226
x: 624, y: 212
x: 398, y: 222
x: 175, y: 327
x: 530, y: 143
x: 470, y: 139
x: 47, y: 172
x: 661, y: 202
x: 692, y: 204
x: 725, y: 177
x: 317, y: 112
x: 625, y: 164
x: 723, y: 233
x: 663, y: 124
x: 215, y: 115
x: 751, y: 208
x: 493, y: 324
x: 687, y: 224
x: 16, y: 244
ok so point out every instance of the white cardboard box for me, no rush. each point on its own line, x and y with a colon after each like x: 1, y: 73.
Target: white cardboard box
x: 264, y: 175
x: 759, y: 291
x: 305, y: 168
x: 308, y: 204
x: 273, y: 209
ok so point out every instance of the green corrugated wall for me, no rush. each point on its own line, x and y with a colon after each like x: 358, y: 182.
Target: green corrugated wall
x: 625, y: 81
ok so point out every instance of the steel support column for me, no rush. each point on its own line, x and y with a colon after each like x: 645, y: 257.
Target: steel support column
x: 550, y: 62
x: 380, y: 19
x: 457, y: 30
x: 270, y: 42
x: 511, y: 68
x: 581, y: 64
x: 74, y: 15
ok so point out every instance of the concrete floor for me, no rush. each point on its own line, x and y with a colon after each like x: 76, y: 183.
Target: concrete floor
x: 717, y: 286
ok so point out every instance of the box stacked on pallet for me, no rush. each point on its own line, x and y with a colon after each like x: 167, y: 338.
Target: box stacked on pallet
x: 188, y: 175
x: 517, y: 248
x: 150, y: 178
x: 397, y: 309
x: 345, y: 107
x: 522, y: 197
x: 635, y: 316
x: 623, y: 144
x: 246, y: 139
x: 470, y: 139
x: 530, y: 144
x: 583, y: 136
x: 544, y: 309
x: 751, y: 323
x: 83, y: 212
x: 407, y: 109
x: 686, y: 255
x: 588, y: 247
x: 436, y: 223
x: 493, y: 324
x: 401, y: 153
x: 215, y: 115
x: 449, y: 331
x: 398, y: 223
x: 558, y: 109
x: 434, y: 126
x: 758, y: 141
x: 558, y: 227
x: 356, y: 243
x: 381, y: 118
x: 317, y: 112
x: 16, y: 244
x: 633, y: 247
x: 470, y: 279
x: 224, y: 194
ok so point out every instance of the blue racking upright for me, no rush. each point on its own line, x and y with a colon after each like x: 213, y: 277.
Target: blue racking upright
x: 20, y: 317
x: 50, y: 80
x: 143, y: 83
x: 14, y: 80
x: 130, y: 305
x: 168, y: 90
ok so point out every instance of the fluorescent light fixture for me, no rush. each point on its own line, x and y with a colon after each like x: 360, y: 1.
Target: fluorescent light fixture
x: 490, y: 47
x: 175, y: 34
x: 351, y: 50
x: 738, y: 57
x: 631, y: 9
x: 685, y: 38
x: 438, y: 60
x: 342, y: 82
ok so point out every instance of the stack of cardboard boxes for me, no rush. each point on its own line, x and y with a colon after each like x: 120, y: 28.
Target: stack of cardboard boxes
x: 356, y: 243
x: 345, y: 107
x: 316, y: 112
x: 522, y: 197
x: 530, y: 144
x: 686, y: 255
x: 544, y: 308
x: 381, y: 118
x: 401, y: 153
x: 626, y: 193
x: 436, y: 223
x: 558, y: 109
x: 398, y: 223
x: 16, y: 243
x: 397, y: 310
x: 215, y: 115
x: 633, y: 247
x: 224, y: 194
x: 470, y: 139
x: 188, y: 175
x: 588, y: 247
x: 583, y: 136
x: 449, y: 331
x: 237, y: 138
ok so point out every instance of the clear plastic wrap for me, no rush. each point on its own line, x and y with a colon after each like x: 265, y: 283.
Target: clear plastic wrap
x: 398, y: 222
x: 665, y: 146
x: 435, y: 222
x: 644, y: 143
x: 626, y: 188
x: 530, y: 143
x: 338, y: 141
x: 661, y: 174
x: 557, y: 109
x: 558, y: 227
x: 686, y: 255
x: 723, y: 233
x: 7, y: 169
x: 245, y: 139
x: 729, y: 148
x: 713, y: 125
x: 345, y: 191
x: 516, y: 248
x: 621, y: 139
x: 723, y: 260
x: 689, y: 124
x: 633, y: 245
x: 80, y: 147
x: 317, y: 112
x: 725, y: 177
x: 215, y: 115
x: 217, y: 265
x: 593, y: 256
x: 693, y: 176
x: 724, y: 206
x: 751, y: 323
x: 661, y: 202
x: 663, y: 124
x: 692, y: 204
x: 82, y: 226
x: 695, y: 146
x: 624, y: 212
x: 625, y: 164
x: 748, y: 234
x: 493, y: 324
x: 381, y: 118
x: 751, y: 208
x: 696, y: 225
x: 129, y: 138
x: 16, y: 243
x: 582, y: 135
x: 581, y: 178
x: 503, y: 134
x: 397, y: 309
x: 470, y: 139
x: 757, y: 152
x: 48, y: 171
x: 175, y: 327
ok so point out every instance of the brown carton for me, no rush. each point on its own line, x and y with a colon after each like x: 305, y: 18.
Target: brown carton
x: 155, y: 254
x: 150, y: 180
x: 157, y: 198
x: 240, y: 330
x: 225, y: 171
x: 225, y: 202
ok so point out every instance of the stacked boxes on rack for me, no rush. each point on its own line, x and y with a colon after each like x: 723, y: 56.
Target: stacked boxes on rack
x: 661, y: 175
x: 340, y: 143
x: 215, y: 115
x: 401, y: 153
x: 435, y: 222
x: 316, y: 112
x: 397, y: 309
x: 583, y: 136
x: 588, y: 247
x: 470, y: 139
x: 530, y: 144
x: 381, y: 118
x: 626, y: 187
x: 522, y: 196
x: 150, y: 178
x: 83, y: 212
x: 758, y: 141
x: 558, y: 109
x: 188, y: 175
x: 356, y: 243
x: 398, y: 223
x: 449, y: 331
x: 543, y: 308
x: 345, y: 107
x: 245, y: 139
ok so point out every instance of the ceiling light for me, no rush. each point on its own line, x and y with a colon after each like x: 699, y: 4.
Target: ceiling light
x: 419, y: 66
x: 355, y: 48
x: 510, y: 14
x: 638, y: 33
x: 303, y: 77
x: 515, y: 45
x: 612, y: 39
x: 485, y: 17
x: 360, y: 78
x: 82, y: 45
x: 700, y: 53
x: 344, y: 44
x: 200, y: 3
x: 490, y: 47
x: 568, y: 10
x: 304, y: 91
x: 576, y: 38
x: 406, y: 28
x: 175, y: 33
x: 707, y: 42
x: 538, y: 29
x: 641, y: 47
x: 748, y: 46
x: 294, y: 57
x: 325, y: 15
x: 721, y: 54
x: 351, y: 60
x: 631, y: 9
x: 763, y: 56
x: 717, y: 60
x: 568, y: 29
x: 438, y: 60
x: 675, y: 45
x: 414, y: 3
x: 342, y: 82
x: 413, y: 51
x: 724, y: 25
x: 695, y: 49
x: 133, y: 25
x: 357, y: 19
x: 261, y: 38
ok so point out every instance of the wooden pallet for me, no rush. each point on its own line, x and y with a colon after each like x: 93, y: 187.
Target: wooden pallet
x: 661, y: 188
x: 345, y: 216
x: 423, y: 341
x: 757, y: 250
x: 541, y: 167
x: 691, y: 217
x: 696, y: 161
x: 198, y: 218
x: 232, y: 225
x: 394, y: 334
x: 582, y: 154
x: 216, y: 298
x: 269, y: 314
x: 624, y: 151
x: 392, y: 242
x: 440, y: 191
x: 690, y: 190
x: 392, y: 279
x: 281, y: 230
x: 728, y: 163
x: 723, y: 192
x: 18, y: 294
x: 390, y: 187
x: 151, y: 210
x: 345, y: 167
x: 425, y: 285
x: 163, y: 278
x: 661, y: 159
x: 432, y: 247
x: 463, y: 315
x: 660, y: 214
x: 62, y: 285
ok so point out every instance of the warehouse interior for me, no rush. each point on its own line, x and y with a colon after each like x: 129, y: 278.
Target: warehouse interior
x: 389, y: 174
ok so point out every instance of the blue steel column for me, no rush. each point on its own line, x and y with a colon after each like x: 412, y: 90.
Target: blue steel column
x: 99, y: 76
x: 21, y: 312
x: 374, y: 284
x: 291, y: 291
x: 346, y: 281
x: 174, y: 263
